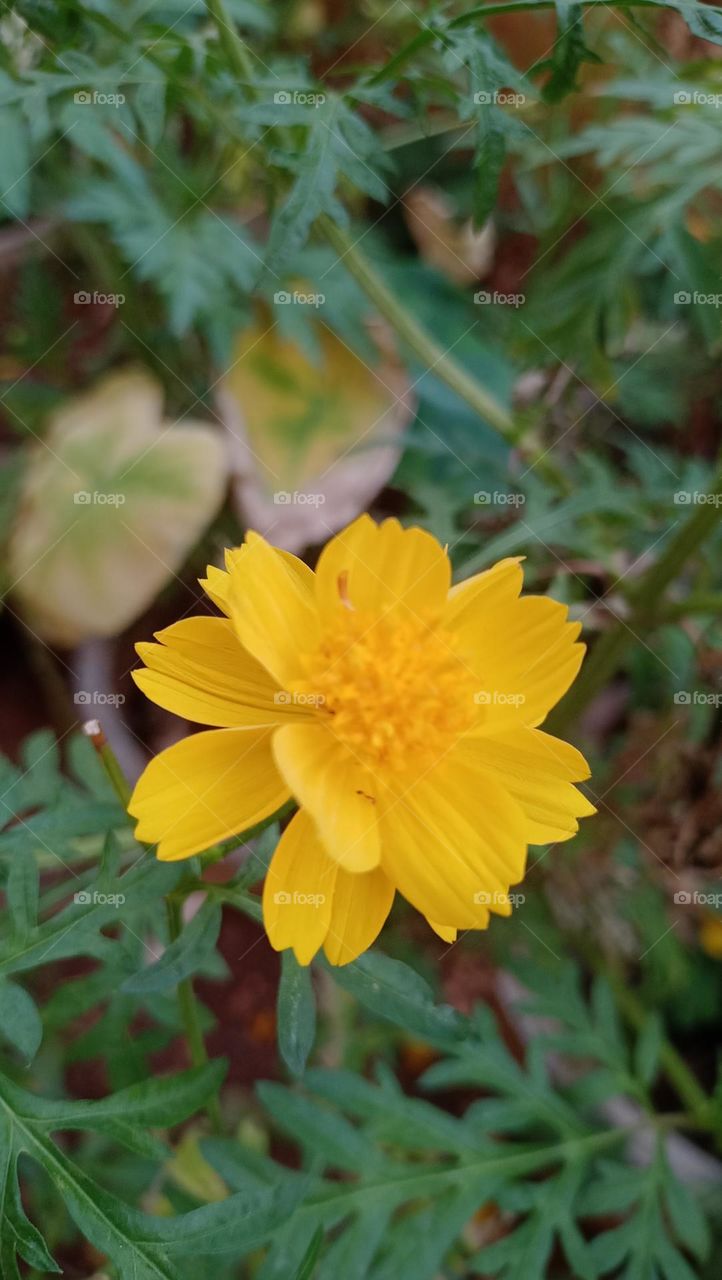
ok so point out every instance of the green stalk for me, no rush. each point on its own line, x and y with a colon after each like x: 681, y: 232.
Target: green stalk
x: 231, y: 43
x: 189, y: 1013
x: 647, y: 601
x: 186, y: 996
x: 675, y: 1068
x: 481, y: 13
x: 421, y: 343
x: 409, y: 330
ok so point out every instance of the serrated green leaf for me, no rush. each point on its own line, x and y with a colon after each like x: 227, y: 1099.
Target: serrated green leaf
x: 20, y: 1022
x: 182, y: 957
x: 392, y: 990
x: 647, y: 1049
x: 296, y: 1013
x: 15, y: 162
x: 22, y: 893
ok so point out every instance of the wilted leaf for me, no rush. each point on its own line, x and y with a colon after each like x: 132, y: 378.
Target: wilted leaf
x: 312, y: 444
x: 456, y: 250
x: 113, y: 500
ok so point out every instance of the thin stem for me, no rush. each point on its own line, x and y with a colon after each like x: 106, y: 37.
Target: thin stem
x: 420, y: 342
x: 186, y: 996
x: 695, y: 603
x: 675, y: 1068
x: 647, y: 605
x: 189, y: 1013
x: 110, y: 762
x: 481, y: 13
x: 233, y: 47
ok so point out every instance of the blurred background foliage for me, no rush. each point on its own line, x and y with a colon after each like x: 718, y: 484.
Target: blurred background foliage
x: 273, y: 265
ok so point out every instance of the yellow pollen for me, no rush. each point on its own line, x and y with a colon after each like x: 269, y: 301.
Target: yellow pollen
x: 392, y: 690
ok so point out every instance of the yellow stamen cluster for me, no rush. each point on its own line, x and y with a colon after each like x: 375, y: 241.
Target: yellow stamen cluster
x: 392, y: 690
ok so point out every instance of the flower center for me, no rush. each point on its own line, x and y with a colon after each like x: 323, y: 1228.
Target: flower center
x: 392, y: 690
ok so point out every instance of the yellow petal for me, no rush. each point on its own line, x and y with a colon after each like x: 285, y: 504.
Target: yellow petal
x: 206, y: 788
x: 522, y: 652
x: 309, y: 901
x: 298, y: 890
x: 497, y: 586
x: 538, y: 770
x: 338, y: 792
x: 453, y: 843
x: 447, y: 932
x: 361, y: 903
x: 376, y: 568
x: 217, y: 585
x: 273, y: 607
x: 201, y: 671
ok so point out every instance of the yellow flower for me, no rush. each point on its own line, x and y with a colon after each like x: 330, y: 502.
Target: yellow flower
x: 400, y: 713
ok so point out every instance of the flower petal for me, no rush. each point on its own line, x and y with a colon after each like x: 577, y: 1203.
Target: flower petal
x: 338, y: 792
x: 273, y: 607
x: 201, y: 671
x: 538, y: 770
x: 448, y: 932
x: 500, y: 585
x: 298, y: 890
x: 309, y: 901
x: 453, y: 843
x: 361, y: 903
x: 206, y: 788
x: 522, y: 651
x: 376, y: 568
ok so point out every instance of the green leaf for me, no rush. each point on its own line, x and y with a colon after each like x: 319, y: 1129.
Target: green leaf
x: 22, y: 893
x: 337, y: 144
x: 392, y: 990
x: 490, y: 151
x: 647, y: 1049
x: 308, y: 1264
x: 15, y: 162
x: 296, y: 1013
x: 183, y: 957
x: 570, y: 51
x: 20, y: 1022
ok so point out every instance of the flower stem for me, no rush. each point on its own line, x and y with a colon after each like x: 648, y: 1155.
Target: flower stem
x: 109, y: 760
x: 675, y: 1068
x: 189, y: 1013
x: 186, y: 996
x: 231, y: 43
x: 421, y: 343
x: 647, y: 605
x: 406, y: 326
